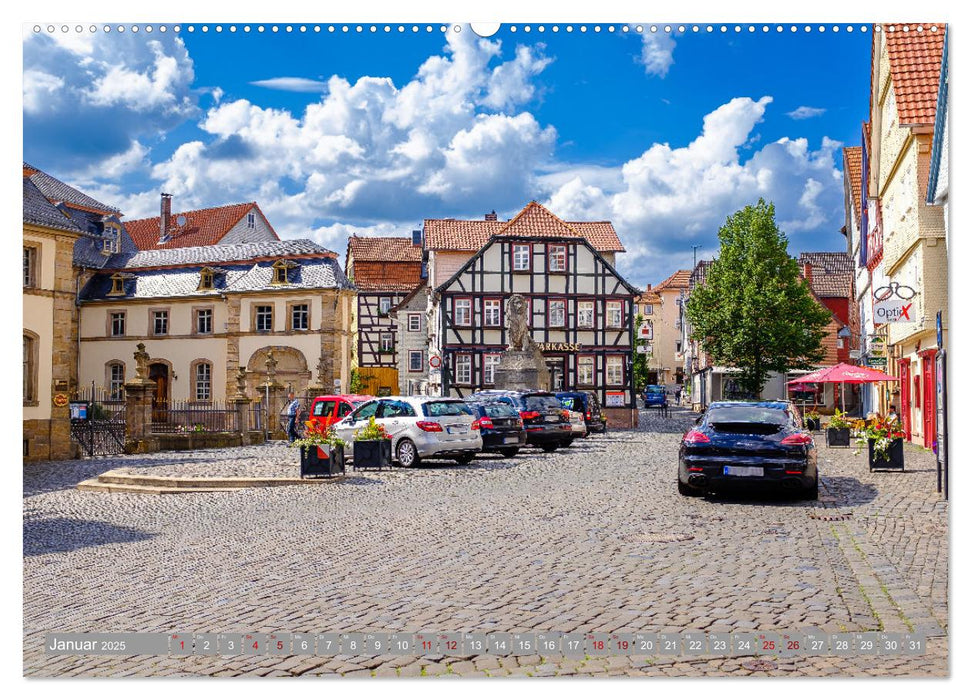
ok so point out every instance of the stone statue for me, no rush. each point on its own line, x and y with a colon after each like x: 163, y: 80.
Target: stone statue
x: 517, y: 323
x: 240, y: 381
x: 271, y: 363
x: 141, y: 362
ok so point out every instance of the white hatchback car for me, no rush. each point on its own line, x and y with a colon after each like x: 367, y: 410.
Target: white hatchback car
x: 420, y: 427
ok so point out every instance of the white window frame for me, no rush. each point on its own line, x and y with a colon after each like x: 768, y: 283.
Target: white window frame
x: 556, y: 319
x: 414, y: 323
x: 463, y: 304
x: 114, y: 316
x: 251, y: 220
x: 557, y: 253
x: 204, y: 314
x: 116, y: 384
x: 202, y: 382
x: 614, y: 307
x: 463, y: 369
x: 520, y: 264
x: 585, y: 310
x: 648, y: 309
x: 384, y: 305
x: 583, y: 363
x: 263, y: 312
x: 420, y: 356
x: 489, y: 363
x: 301, y: 311
x: 615, y: 370
x: 386, y: 342
x: 162, y: 315
x: 492, y: 312
x: 30, y: 266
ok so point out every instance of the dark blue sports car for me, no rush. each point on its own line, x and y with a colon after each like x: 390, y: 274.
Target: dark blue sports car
x: 745, y: 444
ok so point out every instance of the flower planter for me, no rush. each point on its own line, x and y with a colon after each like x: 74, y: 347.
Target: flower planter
x: 321, y: 460
x: 895, y: 456
x: 372, y: 454
x: 814, y: 424
x: 838, y: 437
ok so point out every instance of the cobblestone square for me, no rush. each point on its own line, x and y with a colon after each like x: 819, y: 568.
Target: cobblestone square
x: 594, y: 538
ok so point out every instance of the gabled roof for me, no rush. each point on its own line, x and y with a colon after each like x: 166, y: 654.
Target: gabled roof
x: 56, y: 191
x: 853, y: 162
x: 209, y: 254
x: 534, y: 220
x: 383, y: 249
x: 202, y: 227
x: 915, y: 69
x: 410, y: 296
x: 38, y: 210
x: 649, y: 297
x: 832, y: 273
x: 679, y: 280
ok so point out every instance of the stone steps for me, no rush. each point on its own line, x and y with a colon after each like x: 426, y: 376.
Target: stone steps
x: 120, y: 482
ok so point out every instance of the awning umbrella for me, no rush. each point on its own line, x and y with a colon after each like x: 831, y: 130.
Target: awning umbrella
x: 844, y: 374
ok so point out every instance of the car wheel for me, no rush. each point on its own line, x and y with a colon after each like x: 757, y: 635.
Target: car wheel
x: 551, y: 447
x: 566, y: 443
x: 466, y: 458
x: 812, y: 493
x: 511, y: 452
x: 408, y: 454
x: 686, y: 490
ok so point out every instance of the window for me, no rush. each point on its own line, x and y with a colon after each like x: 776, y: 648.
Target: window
x: 300, y: 317
x: 387, y: 342
x: 204, y: 321
x: 677, y: 346
x: 414, y: 322
x: 489, y: 364
x: 116, y: 380
x: 615, y: 370
x: 203, y: 381
x: 615, y: 314
x: 206, y: 278
x: 463, y: 312
x: 367, y: 410
x: 557, y: 258
x: 30, y: 369
x: 384, y: 305
x: 117, y: 285
x: 160, y: 323
x: 323, y: 408
x: 648, y: 309
x: 585, y: 368
x: 109, y: 240
x: 30, y: 266
x: 280, y: 269
x: 251, y: 220
x: 264, y: 319
x: 585, y: 314
x: 394, y: 409
x: 463, y: 369
x: 116, y: 323
x: 520, y: 257
x: 557, y: 313
x: 416, y: 360
x: 492, y: 312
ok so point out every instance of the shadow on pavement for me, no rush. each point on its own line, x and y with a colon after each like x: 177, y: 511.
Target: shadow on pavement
x: 850, y: 491
x: 53, y: 535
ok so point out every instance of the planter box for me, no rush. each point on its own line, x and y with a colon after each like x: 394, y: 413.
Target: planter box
x: 895, y: 454
x: 372, y: 454
x: 814, y: 424
x: 838, y: 437
x: 321, y: 461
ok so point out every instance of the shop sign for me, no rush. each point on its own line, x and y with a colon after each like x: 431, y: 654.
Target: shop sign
x: 560, y: 347
x: 646, y: 332
x: 894, y: 303
x: 876, y: 362
x: 615, y: 398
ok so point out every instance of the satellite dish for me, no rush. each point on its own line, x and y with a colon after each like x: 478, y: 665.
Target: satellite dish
x: 180, y: 220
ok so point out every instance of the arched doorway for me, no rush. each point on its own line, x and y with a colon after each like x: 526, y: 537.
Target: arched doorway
x: 291, y: 370
x: 159, y: 373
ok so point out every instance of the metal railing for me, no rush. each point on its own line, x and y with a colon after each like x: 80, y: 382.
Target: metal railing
x: 191, y: 416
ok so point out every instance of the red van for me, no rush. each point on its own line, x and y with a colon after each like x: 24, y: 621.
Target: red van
x: 327, y: 410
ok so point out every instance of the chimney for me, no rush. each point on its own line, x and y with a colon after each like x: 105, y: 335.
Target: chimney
x: 491, y: 216
x: 807, y: 272
x: 648, y: 286
x: 166, y: 216
x: 416, y: 237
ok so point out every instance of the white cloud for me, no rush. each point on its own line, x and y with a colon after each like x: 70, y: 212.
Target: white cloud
x: 291, y: 84
x: 806, y: 112
x: 657, y: 53
x: 158, y: 87
x: 39, y: 88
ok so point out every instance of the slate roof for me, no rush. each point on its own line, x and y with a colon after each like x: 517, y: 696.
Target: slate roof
x: 210, y: 254
x: 853, y: 162
x: 832, y: 273
x: 533, y: 220
x: 383, y: 249
x: 56, y: 191
x: 202, y: 227
x: 915, y: 69
x: 679, y: 280
x: 38, y: 210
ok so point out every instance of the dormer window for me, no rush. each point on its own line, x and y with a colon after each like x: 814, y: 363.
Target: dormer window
x: 117, y: 285
x: 281, y: 270
x: 206, y: 278
x: 109, y: 240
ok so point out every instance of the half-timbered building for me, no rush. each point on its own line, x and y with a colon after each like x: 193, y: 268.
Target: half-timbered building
x: 384, y: 270
x: 581, y: 311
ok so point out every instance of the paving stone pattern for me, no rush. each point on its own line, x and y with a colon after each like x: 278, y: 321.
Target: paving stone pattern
x: 594, y: 538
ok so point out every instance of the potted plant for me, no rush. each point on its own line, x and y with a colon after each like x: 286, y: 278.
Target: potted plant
x: 838, y: 430
x: 813, y: 421
x: 372, y: 446
x: 884, y: 441
x: 321, y: 451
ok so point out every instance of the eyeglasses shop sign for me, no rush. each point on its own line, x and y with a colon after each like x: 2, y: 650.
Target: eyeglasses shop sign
x: 895, y: 303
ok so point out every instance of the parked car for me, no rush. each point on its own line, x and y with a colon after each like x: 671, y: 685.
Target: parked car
x: 578, y: 426
x: 420, y: 427
x: 587, y: 403
x: 747, y: 444
x: 500, y: 426
x: 547, y: 423
x: 327, y: 410
x: 655, y: 395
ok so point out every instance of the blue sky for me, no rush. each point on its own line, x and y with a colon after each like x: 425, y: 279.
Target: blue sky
x: 333, y: 133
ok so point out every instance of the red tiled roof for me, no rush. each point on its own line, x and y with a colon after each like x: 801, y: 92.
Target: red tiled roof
x: 679, y: 280
x: 832, y: 273
x: 915, y: 69
x: 202, y: 227
x: 853, y: 161
x: 383, y: 249
x: 533, y: 220
x: 370, y: 275
x: 649, y: 297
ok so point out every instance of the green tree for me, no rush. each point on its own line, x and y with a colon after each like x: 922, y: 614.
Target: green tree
x: 755, y: 312
x: 640, y: 359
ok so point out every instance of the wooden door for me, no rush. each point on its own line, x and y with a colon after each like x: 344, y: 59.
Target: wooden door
x: 159, y: 373
x: 929, y: 401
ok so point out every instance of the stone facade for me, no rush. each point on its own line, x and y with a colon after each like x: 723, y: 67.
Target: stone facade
x: 413, y: 339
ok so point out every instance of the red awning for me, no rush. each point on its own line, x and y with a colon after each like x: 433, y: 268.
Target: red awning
x: 844, y: 373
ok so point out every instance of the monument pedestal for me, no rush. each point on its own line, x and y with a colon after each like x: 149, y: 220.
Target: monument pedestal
x: 521, y: 370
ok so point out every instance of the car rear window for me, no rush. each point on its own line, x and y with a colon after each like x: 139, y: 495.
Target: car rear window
x: 572, y: 403
x: 655, y: 390
x: 446, y: 408
x: 542, y: 403
x: 748, y: 414
x: 500, y: 410
x: 324, y: 408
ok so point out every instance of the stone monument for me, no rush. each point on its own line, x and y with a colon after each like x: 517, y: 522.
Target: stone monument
x: 522, y: 365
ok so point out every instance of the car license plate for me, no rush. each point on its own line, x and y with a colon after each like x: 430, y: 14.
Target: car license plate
x: 744, y: 471
x: 509, y: 440
x: 457, y: 429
